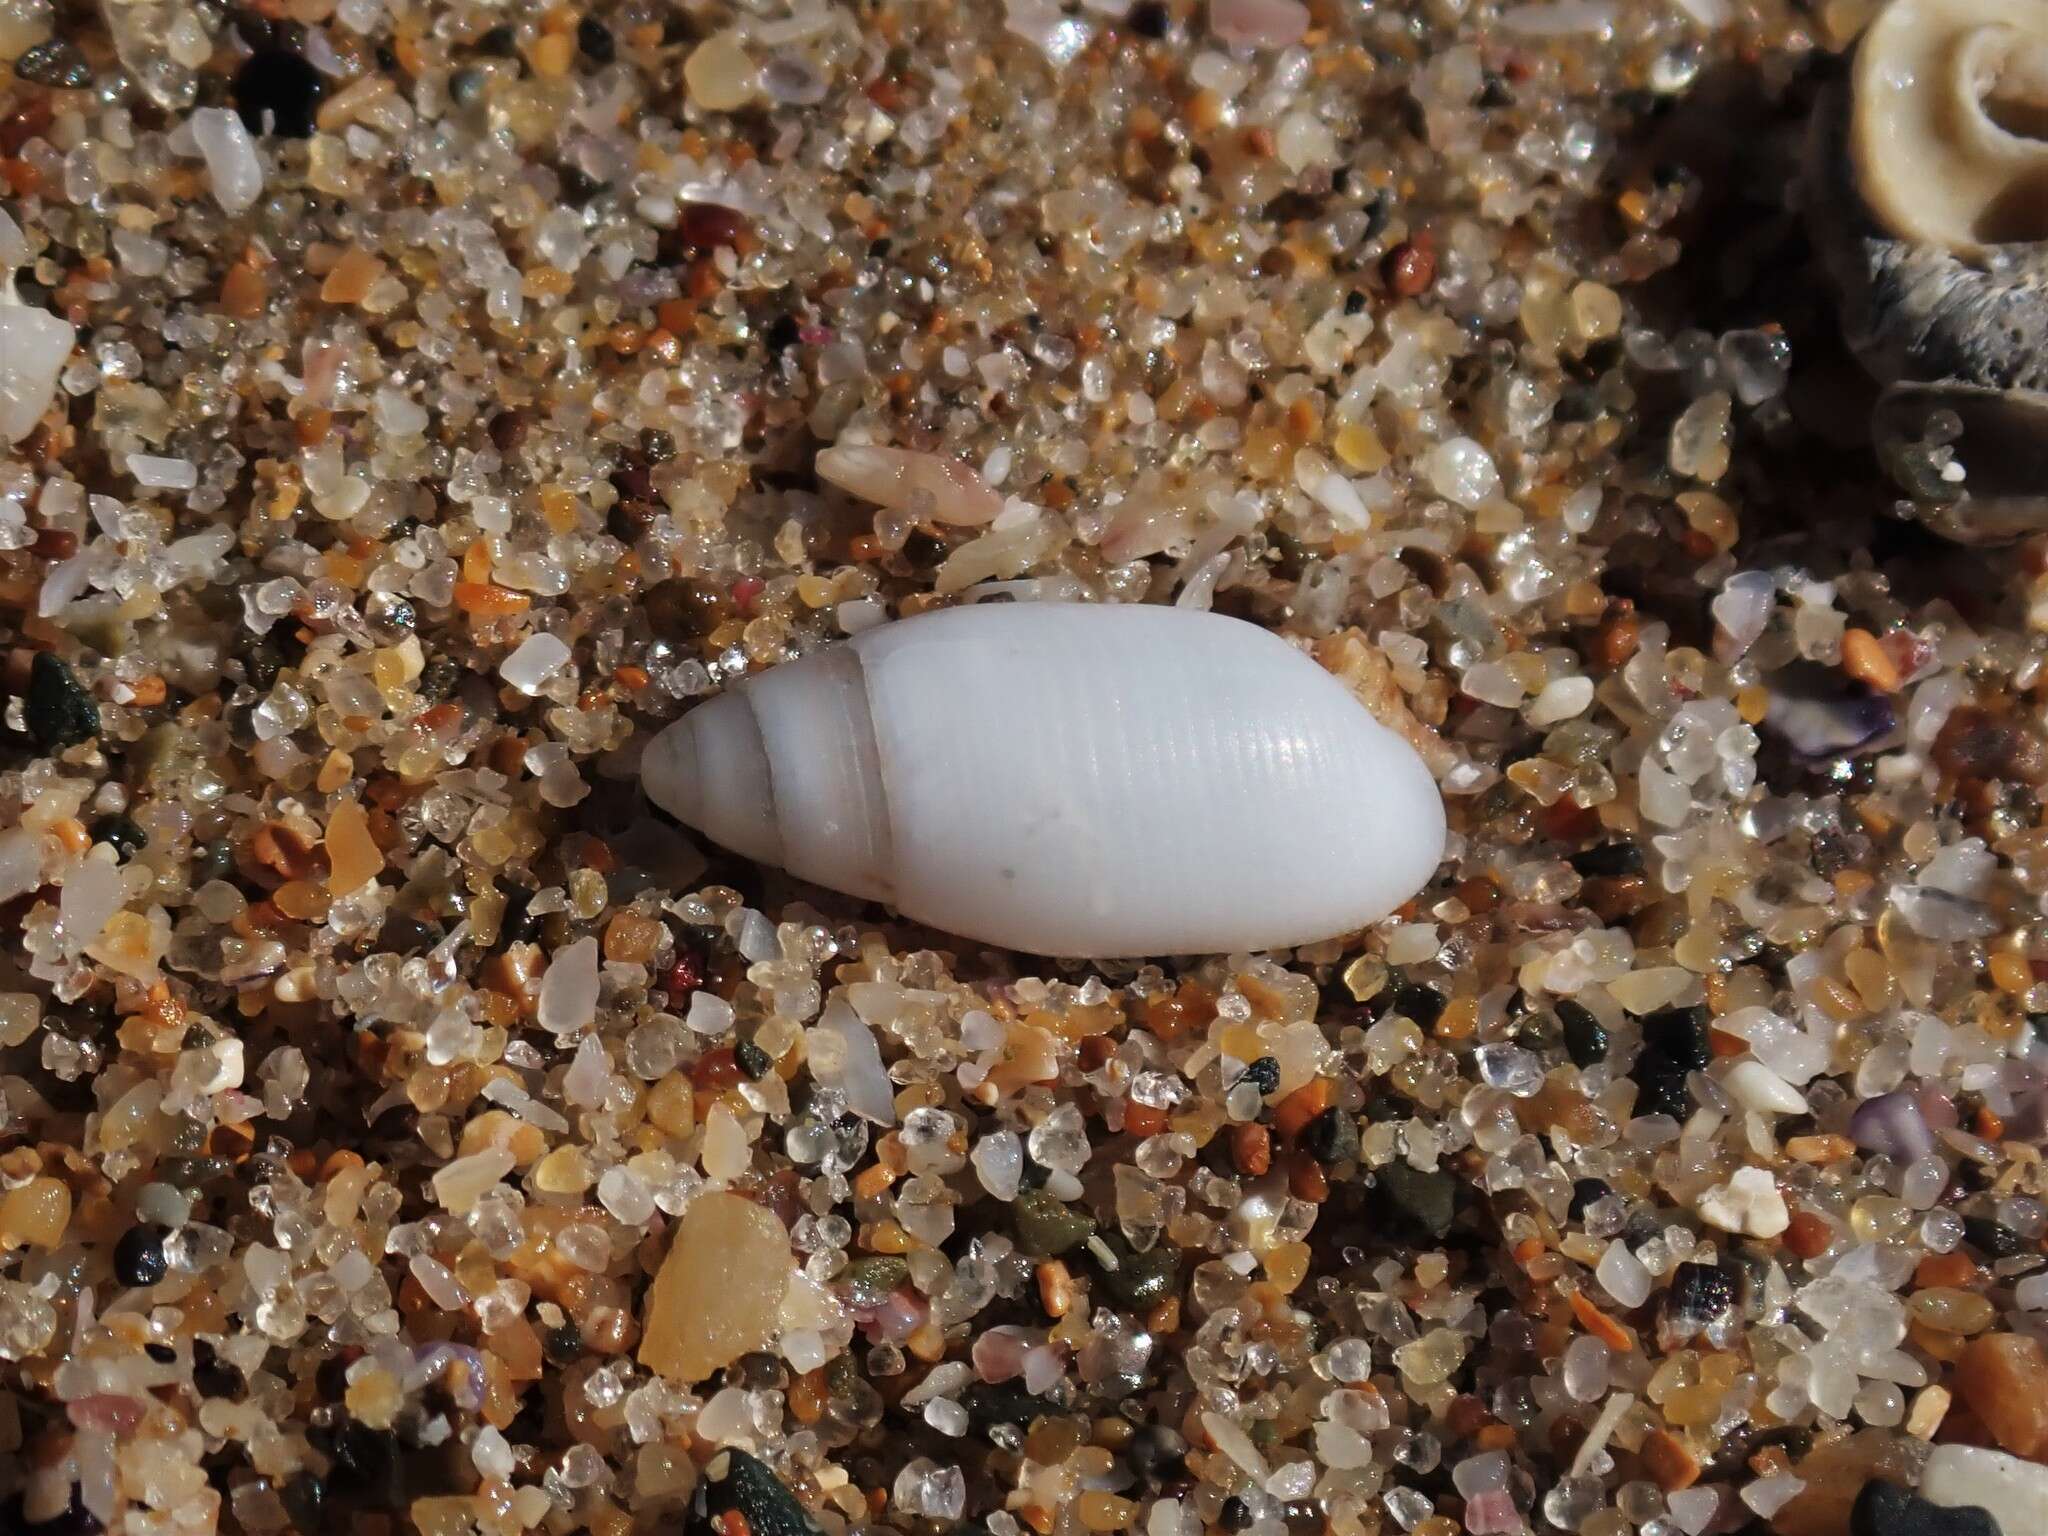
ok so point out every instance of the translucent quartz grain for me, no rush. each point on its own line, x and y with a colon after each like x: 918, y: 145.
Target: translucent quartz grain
x: 90, y: 897
x: 459, y: 1184
x: 719, y: 1291
x: 1755, y: 1086
x: 568, y: 992
x: 1699, y: 438
x: 1258, y: 23
x: 1623, y: 1276
x: 21, y: 855
x: 1585, y: 1368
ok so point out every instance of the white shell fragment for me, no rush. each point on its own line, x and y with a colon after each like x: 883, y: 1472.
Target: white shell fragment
x: 1755, y: 1086
x: 924, y: 484
x: 34, y: 345
x: 233, y: 167
x: 538, y: 658
x: 1950, y: 97
x: 2015, y: 1492
x: 1067, y: 779
x: 1749, y: 1202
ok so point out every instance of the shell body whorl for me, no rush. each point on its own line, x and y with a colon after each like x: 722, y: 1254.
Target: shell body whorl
x: 1066, y: 779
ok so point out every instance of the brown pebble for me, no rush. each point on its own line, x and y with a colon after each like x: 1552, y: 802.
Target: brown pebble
x: 1466, y: 1416
x: 1771, y: 1461
x: 1808, y: 1234
x: 2003, y: 1379
x: 1669, y: 1462
x: 692, y: 605
x: 1864, y: 659
x: 1614, y: 898
x: 1306, y: 1179
x: 1410, y: 267
x: 1142, y: 1120
x: 706, y: 225
x: 1615, y: 641
x: 1251, y: 1150
x: 634, y: 482
x: 1276, y: 261
x: 508, y: 431
x: 629, y: 521
x: 285, y: 851
x: 1947, y: 1271
x: 1055, y: 1288
x: 1976, y: 744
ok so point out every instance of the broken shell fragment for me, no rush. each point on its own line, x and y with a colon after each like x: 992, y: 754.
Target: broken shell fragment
x: 1975, y: 460
x: 926, y: 485
x: 1817, y: 717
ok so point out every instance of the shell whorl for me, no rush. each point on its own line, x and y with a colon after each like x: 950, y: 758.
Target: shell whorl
x: 826, y: 789
x: 711, y: 770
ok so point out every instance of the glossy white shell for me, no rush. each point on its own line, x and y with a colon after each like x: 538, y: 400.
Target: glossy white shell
x: 1066, y: 779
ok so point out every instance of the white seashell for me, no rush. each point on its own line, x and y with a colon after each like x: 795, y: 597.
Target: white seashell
x: 1066, y: 779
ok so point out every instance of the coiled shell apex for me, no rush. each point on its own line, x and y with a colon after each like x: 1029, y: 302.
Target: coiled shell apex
x: 1066, y: 779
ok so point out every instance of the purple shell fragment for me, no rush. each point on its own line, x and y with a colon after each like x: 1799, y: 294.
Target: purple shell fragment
x: 1820, y: 720
x: 1891, y: 1125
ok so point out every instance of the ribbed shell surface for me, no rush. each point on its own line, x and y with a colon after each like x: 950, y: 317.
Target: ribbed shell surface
x: 1067, y: 779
